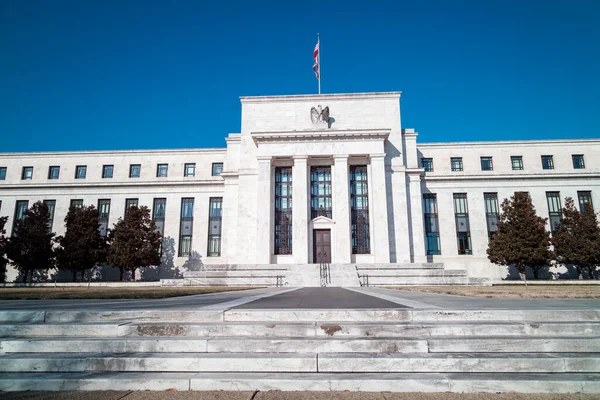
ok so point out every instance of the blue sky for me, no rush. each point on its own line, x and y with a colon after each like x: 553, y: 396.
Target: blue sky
x: 107, y: 74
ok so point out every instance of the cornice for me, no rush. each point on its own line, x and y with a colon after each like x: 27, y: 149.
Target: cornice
x: 112, y: 185
x: 508, y: 143
x: 112, y: 153
x: 328, y: 134
x: 320, y: 97
x: 458, y: 178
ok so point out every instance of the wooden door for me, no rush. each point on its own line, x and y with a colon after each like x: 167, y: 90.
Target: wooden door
x: 321, y: 246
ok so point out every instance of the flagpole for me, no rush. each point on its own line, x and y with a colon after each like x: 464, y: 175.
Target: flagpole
x: 319, y: 59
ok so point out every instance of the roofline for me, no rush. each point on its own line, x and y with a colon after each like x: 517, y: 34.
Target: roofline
x: 112, y: 152
x: 329, y: 96
x: 508, y: 142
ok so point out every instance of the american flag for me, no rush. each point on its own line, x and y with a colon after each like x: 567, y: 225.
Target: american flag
x: 316, y: 58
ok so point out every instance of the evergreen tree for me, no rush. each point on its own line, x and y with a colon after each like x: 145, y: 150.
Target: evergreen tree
x: 521, y: 239
x: 3, y: 243
x: 134, y: 241
x: 577, y: 239
x: 82, y: 247
x: 31, y: 248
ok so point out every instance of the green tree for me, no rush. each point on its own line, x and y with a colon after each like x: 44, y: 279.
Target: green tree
x: 134, y: 242
x: 82, y: 247
x: 521, y: 239
x: 3, y: 243
x: 31, y: 247
x: 577, y: 239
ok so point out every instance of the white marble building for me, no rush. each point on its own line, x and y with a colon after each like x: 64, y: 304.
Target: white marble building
x: 289, y: 189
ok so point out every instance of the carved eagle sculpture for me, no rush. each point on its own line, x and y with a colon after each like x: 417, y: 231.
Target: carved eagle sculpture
x: 319, y: 115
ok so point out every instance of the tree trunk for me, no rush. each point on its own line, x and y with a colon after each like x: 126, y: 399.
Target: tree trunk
x: 536, y: 272
x: 74, y: 275
x: 133, y: 274
x: 522, y: 273
x: 121, y: 274
x: 590, y: 272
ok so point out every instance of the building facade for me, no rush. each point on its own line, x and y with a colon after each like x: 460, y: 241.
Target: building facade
x: 314, y: 179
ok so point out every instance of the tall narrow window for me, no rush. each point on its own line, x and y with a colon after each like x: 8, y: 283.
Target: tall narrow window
x: 162, y: 170
x: 554, y: 209
x: 516, y: 162
x: 547, y: 162
x: 2, y: 173
x: 432, y: 230
x: 283, y: 210
x: 359, y: 210
x: 189, y: 169
x: 53, y: 172
x: 135, y: 170
x: 217, y: 168
x: 27, y: 173
x: 427, y: 164
x: 463, y: 231
x: 491, y: 213
x: 51, y: 204
x: 214, y: 226
x: 103, y: 211
x: 487, y: 163
x: 578, y: 162
x: 77, y: 203
x: 20, y: 210
x: 80, y: 171
x: 131, y: 203
x: 186, y: 226
x: 584, y: 198
x: 158, y: 214
x: 456, y: 163
x: 107, y: 171
x: 320, y: 191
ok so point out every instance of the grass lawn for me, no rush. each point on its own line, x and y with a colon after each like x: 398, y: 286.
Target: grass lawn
x: 509, y: 291
x: 152, y: 292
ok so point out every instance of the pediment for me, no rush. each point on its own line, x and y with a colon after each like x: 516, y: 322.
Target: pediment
x: 322, y: 220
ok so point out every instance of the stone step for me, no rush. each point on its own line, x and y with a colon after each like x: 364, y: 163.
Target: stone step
x: 297, y: 362
x: 236, y: 274
x: 248, y: 280
x: 404, y: 266
x: 392, y: 382
x: 378, y: 280
x: 413, y: 273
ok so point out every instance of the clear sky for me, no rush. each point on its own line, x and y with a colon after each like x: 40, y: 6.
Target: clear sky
x: 122, y: 74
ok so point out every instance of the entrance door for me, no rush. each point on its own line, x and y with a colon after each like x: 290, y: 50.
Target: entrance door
x: 321, y: 246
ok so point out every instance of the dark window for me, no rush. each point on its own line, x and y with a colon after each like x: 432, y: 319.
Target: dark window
x: 103, y: 211
x: 320, y: 191
x: 432, y: 229
x: 80, y: 171
x: 547, y: 162
x: 186, y: 226
x: 134, y: 170
x: 107, y: 171
x: 162, y: 170
x: 517, y: 162
x: 189, y: 169
x: 77, y: 203
x: 131, y: 203
x: 27, y: 173
x: 463, y: 230
x: 53, y: 172
x: 427, y: 164
x: 359, y: 210
x: 214, y: 226
x: 20, y: 210
x: 2, y: 173
x: 51, y: 204
x: 584, y: 198
x: 217, y: 168
x: 158, y: 214
x: 487, y: 164
x: 578, y: 162
x: 554, y: 209
x: 283, y: 210
x: 456, y: 163
x: 491, y: 213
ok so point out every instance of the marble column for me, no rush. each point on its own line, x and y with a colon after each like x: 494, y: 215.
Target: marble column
x: 380, y: 245
x: 416, y: 218
x: 300, y: 215
x: 264, y: 215
x: 341, y: 210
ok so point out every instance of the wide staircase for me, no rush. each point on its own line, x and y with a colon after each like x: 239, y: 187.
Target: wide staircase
x: 401, y: 350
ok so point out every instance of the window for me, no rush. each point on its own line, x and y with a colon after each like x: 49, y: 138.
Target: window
x: 131, y: 203
x: 214, y: 226
x: 578, y: 162
x: 2, y: 173
x: 456, y: 163
x: 320, y: 191
x: 134, y: 170
x: 189, y: 169
x: 51, y: 204
x: 554, y: 209
x: 584, y: 198
x: 186, y: 226
x: 20, y: 210
x: 107, y: 171
x: 517, y: 163
x: 463, y: 231
x: 491, y: 213
x: 359, y: 210
x: 432, y: 230
x: 162, y: 170
x: 487, y: 164
x: 27, y: 173
x: 427, y: 164
x: 547, y: 162
x: 80, y: 171
x: 158, y: 214
x: 53, y: 172
x: 217, y: 168
x: 77, y: 203
x: 103, y: 211
x: 283, y: 210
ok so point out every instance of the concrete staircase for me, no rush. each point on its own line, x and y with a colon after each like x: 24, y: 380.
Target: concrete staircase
x: 399, y: 350
x: 414, y: 274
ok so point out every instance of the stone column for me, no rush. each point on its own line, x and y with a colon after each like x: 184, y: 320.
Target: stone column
x: 341, y: 210
x: 416, y: 217
x: 300, y: 215
x: 263, y: 213
x: 380, y: 245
